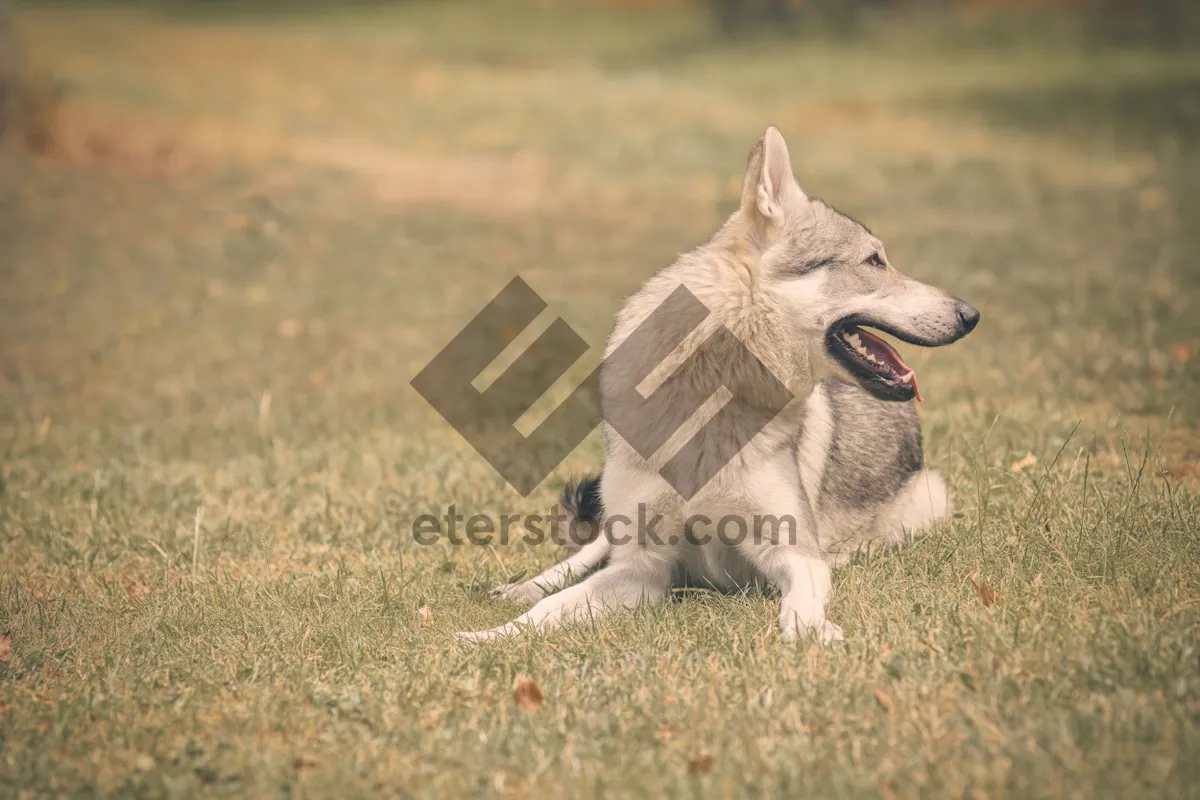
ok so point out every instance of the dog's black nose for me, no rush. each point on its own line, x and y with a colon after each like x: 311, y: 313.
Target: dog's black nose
x: 968, y: 316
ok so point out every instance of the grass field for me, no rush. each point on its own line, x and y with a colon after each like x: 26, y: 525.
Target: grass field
x: 247, y: 234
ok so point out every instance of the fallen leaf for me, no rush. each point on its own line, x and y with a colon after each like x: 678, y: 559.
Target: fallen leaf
x: 527, y: 693
x: 987, y: 595
x: 44, y: 726
x: 1152, y: 198
x: 256, y: 294
x: 5, y: 647
x: 883, y: 698
x: 1182, y: 352
x: 99, y: 146
x: 264, y: 411
x: 136, y: 590
x: 1025, y: 463
x: 425, y: 614
x: 701, y: 764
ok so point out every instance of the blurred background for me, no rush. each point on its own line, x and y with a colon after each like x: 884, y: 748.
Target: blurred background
x: 285, y: 188
x: 233, y: 225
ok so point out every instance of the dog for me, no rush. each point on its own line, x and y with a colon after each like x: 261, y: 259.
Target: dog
x: 797, y: 283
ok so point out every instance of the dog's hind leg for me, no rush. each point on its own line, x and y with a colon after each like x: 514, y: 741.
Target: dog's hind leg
x: 638, y: 576
x: 580, y: 563
x: 923, y: 500
x: 584, y: 508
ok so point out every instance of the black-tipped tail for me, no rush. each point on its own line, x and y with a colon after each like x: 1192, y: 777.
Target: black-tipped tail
x: 581, y: 501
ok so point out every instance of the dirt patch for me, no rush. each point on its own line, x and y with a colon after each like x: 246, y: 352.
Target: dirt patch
x: 487, y: 184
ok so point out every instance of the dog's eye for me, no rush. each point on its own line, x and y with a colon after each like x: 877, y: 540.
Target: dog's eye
x: 876, y: 260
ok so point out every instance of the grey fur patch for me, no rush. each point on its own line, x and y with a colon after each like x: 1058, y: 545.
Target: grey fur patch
x: 875, y: 449
x: 834, y: 240
x: 805, y: 266
x: 810, y: 516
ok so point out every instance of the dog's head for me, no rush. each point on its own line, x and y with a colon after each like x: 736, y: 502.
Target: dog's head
x: 828, y: 278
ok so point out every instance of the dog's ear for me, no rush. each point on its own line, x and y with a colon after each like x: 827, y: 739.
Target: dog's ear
x: 771, y: 197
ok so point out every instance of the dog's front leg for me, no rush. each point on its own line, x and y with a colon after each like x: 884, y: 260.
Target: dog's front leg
x: 790, y: 557
x: 804, y: 583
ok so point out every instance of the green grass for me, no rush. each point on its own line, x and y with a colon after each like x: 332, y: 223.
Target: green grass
x: 253, y: 233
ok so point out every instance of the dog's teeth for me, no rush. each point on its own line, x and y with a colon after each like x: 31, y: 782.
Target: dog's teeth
x: 907, y: 378
x: 872, y: 359
x: 856, y: 344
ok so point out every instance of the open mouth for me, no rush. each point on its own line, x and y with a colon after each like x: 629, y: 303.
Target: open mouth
x: 874, y: 363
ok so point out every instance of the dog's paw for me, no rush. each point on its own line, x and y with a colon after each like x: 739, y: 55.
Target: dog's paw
x: 508, y: 629
x: 526, y: 593
x: 828, y: 633
x: 824, y: 631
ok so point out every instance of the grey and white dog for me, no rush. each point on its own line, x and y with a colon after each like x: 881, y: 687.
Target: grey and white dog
x: 797, y: 283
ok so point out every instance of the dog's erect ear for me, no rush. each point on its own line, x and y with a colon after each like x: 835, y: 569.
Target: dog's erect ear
x: 770, y: 194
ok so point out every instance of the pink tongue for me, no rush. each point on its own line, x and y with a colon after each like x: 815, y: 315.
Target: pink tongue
x: 887, y: 354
